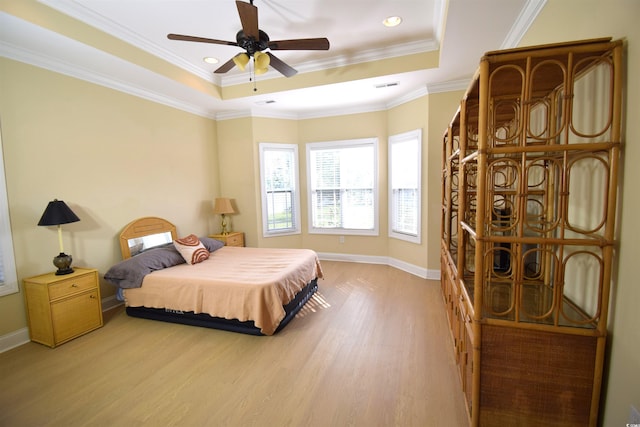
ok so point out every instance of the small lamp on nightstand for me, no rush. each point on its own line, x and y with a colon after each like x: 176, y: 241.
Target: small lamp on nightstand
x: 58, y: 213
x: 223, y: 207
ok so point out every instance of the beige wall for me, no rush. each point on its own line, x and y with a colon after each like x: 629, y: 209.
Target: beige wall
x: 112, y: 157
x: 565, y: 20
x: 239, y: 140
x: 404, y: 118
x: 442, y: 108
x: 240, y: 172
x: 237, y: 174
x: 354, y: 126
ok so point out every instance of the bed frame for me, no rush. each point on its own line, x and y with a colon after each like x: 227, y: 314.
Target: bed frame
x: 150, y: 228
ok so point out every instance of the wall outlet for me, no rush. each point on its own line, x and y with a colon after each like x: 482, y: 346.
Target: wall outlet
x: 341, y: 239
x: 634, y: 416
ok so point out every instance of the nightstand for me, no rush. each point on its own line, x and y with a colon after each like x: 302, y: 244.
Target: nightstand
x: 61, y: 308
x: 234, y: 238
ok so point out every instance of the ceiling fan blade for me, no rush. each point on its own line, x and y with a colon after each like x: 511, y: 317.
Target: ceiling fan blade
x: 199, y: 39
x: 225, y: 67
x: 279, y: 65
x: 300, y: 44
x: 249, y: 18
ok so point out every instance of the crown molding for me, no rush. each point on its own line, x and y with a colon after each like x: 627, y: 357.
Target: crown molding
x: 370, y: 55
x: 82, y: 14
x: 522, y: 23
x: 74, y: 70
x: 413, y: 95
x: 449, y: 86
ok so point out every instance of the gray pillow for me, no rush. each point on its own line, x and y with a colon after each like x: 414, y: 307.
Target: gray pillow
x: 212, y: 245
x: 130, y: 272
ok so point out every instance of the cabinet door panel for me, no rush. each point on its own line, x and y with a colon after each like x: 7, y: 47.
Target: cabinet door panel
x: 74, y: 316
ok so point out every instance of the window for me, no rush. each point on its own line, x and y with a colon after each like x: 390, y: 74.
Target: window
x: 342, y: 180
x: 404, y: 185
x: 280, y: 196
x: 8, y: 277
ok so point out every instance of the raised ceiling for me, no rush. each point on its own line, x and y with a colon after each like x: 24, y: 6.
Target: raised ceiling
x: 122, y: 44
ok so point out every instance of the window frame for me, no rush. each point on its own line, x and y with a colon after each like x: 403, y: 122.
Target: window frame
x: 351, y: 143
x: 413, y: 135
x: 9, y: 283
x: 296, y: 229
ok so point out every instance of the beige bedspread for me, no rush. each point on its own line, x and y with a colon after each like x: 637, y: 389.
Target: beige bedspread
x: 234, y: 283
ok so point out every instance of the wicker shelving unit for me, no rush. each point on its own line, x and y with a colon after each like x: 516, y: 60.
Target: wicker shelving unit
x: 529, y: 185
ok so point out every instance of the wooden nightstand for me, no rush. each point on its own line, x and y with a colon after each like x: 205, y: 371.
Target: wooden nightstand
x: 60, y: 308
x: 234, y: 238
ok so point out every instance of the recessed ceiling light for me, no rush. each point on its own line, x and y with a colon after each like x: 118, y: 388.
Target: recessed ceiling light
x: 392, y: 21
x: 210, y: 60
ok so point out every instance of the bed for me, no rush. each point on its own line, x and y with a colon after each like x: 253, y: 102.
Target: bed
x: 255, y: 291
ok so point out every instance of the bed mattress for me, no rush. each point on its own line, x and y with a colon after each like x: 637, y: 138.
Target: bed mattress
x: 235, y: 283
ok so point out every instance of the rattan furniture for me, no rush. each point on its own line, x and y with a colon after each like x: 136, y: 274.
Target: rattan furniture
x: 61, y: 308
x: 529, y: 180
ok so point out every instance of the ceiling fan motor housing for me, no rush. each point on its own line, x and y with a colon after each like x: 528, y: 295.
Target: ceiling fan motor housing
x: 250, y: 44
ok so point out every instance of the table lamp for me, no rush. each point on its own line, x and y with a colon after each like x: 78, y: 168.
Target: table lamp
x: 223, y: 207
x: 58, y: 213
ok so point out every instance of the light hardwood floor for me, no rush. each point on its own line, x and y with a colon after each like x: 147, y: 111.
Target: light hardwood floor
x: 371, y: 349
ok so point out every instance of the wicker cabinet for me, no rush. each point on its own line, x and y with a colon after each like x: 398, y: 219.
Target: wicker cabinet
x: 61, y: 308
x: 529, y: 184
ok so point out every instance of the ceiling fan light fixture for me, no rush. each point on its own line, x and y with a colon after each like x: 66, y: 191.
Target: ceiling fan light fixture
x: 261, y: 62
x: 262, y: 59
x: 392, y: 21
x: 241, y: 60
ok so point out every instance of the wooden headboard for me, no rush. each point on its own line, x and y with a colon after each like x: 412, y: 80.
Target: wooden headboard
x: 143, y: 227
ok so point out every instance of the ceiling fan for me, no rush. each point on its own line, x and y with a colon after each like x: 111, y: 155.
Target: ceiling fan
x: 254, y: 41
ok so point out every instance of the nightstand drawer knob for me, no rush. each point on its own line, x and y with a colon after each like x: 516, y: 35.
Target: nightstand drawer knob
x: 74, y: 285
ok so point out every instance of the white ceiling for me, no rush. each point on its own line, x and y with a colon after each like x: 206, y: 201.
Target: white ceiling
x: 462, y: 30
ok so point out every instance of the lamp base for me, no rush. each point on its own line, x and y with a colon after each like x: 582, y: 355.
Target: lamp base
x: 63, y: 262
x: 223, y: 225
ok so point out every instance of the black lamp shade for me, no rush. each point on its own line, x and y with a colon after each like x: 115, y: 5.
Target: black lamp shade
x: 56, y: 213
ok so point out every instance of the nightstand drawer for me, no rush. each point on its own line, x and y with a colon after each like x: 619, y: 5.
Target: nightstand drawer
x: 71, y: 286
x: 235, y: 240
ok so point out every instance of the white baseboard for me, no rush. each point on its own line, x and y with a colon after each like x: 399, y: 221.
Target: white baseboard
x: 110, y: 302
x: 14, y: 339
x: 21, y: 336
x: 368, y: 259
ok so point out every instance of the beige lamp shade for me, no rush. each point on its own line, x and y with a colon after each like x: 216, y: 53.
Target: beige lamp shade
x: 223, y: 206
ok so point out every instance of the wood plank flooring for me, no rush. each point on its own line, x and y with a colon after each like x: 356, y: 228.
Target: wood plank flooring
x: 372, y: 348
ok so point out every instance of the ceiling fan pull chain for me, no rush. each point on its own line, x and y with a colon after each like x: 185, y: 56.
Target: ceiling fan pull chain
x: 253, y: 73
